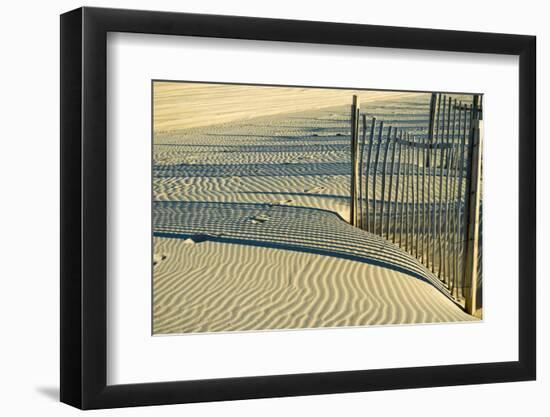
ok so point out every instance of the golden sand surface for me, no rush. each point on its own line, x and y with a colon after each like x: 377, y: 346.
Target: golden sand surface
x: 244, y: 235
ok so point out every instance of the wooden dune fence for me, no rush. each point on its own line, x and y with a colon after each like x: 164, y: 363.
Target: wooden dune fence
x: 422, y: 191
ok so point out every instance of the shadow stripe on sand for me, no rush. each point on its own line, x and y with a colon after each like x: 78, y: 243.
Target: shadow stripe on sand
x: 283, y: 227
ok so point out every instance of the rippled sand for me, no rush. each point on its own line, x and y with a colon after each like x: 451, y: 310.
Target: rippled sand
x: 214, y: 287
x: 250, y: 232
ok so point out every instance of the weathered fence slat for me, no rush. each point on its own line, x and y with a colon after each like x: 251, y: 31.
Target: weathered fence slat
x: 360, y: 168
x: 434, y: 236
x: 408, y: 239
x: 367, y: 171
x: 448, y: 196
x: 432, y: 122
x: 444, y: 143
x: 354, y: 160
x: 396, y: 198
x: 460, y: 232
x: 374, y: 185
x: 473, y: 196
x: 392, y: 169
x: 432, y: 140
x: 417, y: 200
x: 448, y: 206
x: 454, y: 237
x: 382, y: 198
x: 423, y: 237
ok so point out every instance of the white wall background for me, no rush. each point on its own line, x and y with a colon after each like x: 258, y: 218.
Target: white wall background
x: 29, y: 225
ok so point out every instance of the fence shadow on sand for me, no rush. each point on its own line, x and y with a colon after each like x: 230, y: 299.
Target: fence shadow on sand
x: 283, y: 227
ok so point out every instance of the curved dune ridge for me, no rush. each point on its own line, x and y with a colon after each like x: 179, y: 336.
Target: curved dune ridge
x: 211, y: 287
x: 250, y: 232
x: 282, y: 227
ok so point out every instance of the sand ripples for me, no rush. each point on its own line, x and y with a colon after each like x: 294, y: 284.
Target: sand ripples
x: 249, y: 233
x: 253, y: 289
x: 297, y: 268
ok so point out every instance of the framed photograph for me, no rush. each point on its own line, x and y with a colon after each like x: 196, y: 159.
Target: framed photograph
x: 259, y: 208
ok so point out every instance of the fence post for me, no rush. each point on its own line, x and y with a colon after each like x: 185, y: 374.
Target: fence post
x: 473, y: 207
x: 361, y: 165
x: 384, y: 174
x: 353, y: 215
x: 367, y: 170
x: 432, y: 124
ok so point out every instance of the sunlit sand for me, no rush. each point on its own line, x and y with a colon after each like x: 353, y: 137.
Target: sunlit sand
x: 251, y: 202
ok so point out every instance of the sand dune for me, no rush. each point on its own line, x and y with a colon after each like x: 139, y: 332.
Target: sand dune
x: 250, y: 232
x: 212, y: 286
x: 285, y: 227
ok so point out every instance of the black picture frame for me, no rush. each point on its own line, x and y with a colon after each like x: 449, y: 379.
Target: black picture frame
x: 84, y: 207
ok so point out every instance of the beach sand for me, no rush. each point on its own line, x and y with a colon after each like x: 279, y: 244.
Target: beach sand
x: 249, y: 215
x: 210, y: 287
x: 184, y: 105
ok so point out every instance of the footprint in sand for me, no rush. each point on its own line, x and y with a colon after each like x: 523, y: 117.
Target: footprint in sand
x: 314, y: 190
x: 259, y: 219
x: 158, y: 257
x: 280, y: 203
x: 199, y: 238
